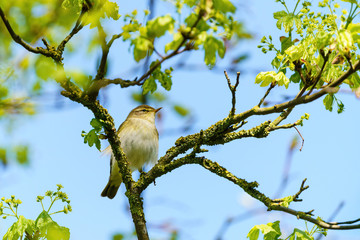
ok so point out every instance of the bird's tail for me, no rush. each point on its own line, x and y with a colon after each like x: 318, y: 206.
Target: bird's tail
x: 110, y: 190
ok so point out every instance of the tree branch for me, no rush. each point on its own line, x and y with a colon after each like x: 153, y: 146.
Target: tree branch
x: 233, y: 91
x: 19, y: 40
x: 78, y: 26
x: 272, y: 85
x: 317, y: 78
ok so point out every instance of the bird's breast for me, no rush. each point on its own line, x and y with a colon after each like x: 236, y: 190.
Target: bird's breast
x: 139, y: 140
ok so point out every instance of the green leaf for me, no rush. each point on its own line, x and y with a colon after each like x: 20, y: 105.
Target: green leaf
x: 286, y: 42
x: 295, y: 78
x: 141, y: 47
x: 282, y: 80
x: 254, y: 233
x: 17, y: 230
x: 224, y: 6
x: 159, y: 26
x: 92, y: 138
x: 323, y: 39
x: 137, y: 97
x: 160, y: 97
x: 266, y: 78
x: 286, y: 201
x: 118, y: 236
x: 328, y: 102
x: 101, y: 9
x: 73, y: 5
x: 300, y: 235
x: 96, y: 124
x: 45, y: 68
x: 3, y: 157
x: 191, y: 3
x: 165, y: 81
x: 181, y: 110
x: 353, y: 81
x: 129, y: 28
x: 354, y: 28
x: 288, y: 22
x: 149, y: 85
x: 271, y: 231
x: 276, y: 62
x: 175, y: 43
x: 350, y: 1
x: 111, y: 10
x: 345, y: 40
x: 201, y: 24
x: 279, y: 16
x: 50, y: 229
x: 4, y: 91
x: 22, y: 154
x: 212, y: 46
x: 295, y: 52
x: 340, y: 105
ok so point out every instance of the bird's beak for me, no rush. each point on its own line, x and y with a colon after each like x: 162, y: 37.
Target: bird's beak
x: 156, y: 110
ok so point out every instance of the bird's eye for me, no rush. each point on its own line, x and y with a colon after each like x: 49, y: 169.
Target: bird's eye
x: 144, y: 110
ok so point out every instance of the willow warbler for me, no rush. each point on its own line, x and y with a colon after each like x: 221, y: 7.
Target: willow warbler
x: 140, y: 142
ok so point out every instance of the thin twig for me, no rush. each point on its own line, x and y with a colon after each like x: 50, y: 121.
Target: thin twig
x: 78, y: 26
x: 333, y: 215
x: 19, y: 40
x: 272, y: 85
x: 347, y: 222
x: 317, y: 78
x: 302, y: 139
x: 175, y: 52
x: 233, y: 91
x: 302, y: 188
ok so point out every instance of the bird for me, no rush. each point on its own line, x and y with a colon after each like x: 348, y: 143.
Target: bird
x: 140, y: 142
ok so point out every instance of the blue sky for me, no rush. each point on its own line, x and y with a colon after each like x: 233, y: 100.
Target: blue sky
x: 190, y: 199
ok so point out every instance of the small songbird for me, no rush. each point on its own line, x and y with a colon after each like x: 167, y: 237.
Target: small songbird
x: 140, y: 142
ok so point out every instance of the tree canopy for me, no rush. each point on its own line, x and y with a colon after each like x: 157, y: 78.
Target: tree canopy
x: 316, y: 54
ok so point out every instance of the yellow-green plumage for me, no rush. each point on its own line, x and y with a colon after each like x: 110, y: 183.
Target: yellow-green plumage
x: 140, y: 142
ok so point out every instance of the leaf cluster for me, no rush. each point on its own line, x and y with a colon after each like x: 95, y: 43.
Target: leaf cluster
x: 44, y: 227
x: 271, y: 231
x: 92, y: 137
x: 327, y: 49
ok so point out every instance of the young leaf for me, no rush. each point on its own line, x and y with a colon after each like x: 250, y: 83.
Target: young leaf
x: 50, y: 229
x: 300, y: 235
x: 271, y: 231
x: 149, y: 85
x: 159, y: 26
x: 211, y: 46
x: 254, y: 233
x: 17, y: 230
x: 141, y: 47
x: 22, y: 154
x: 224, y: 6
x: 181, y: 110
x: 175, y: 43
x: 96, y: 124
x: 328, y: 102
x: 92, y: 138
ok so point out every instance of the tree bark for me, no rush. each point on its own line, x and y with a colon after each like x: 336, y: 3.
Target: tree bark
x: 137, y: 213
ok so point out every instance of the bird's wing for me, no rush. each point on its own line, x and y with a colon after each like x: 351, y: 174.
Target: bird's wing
x: 106, y: 151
